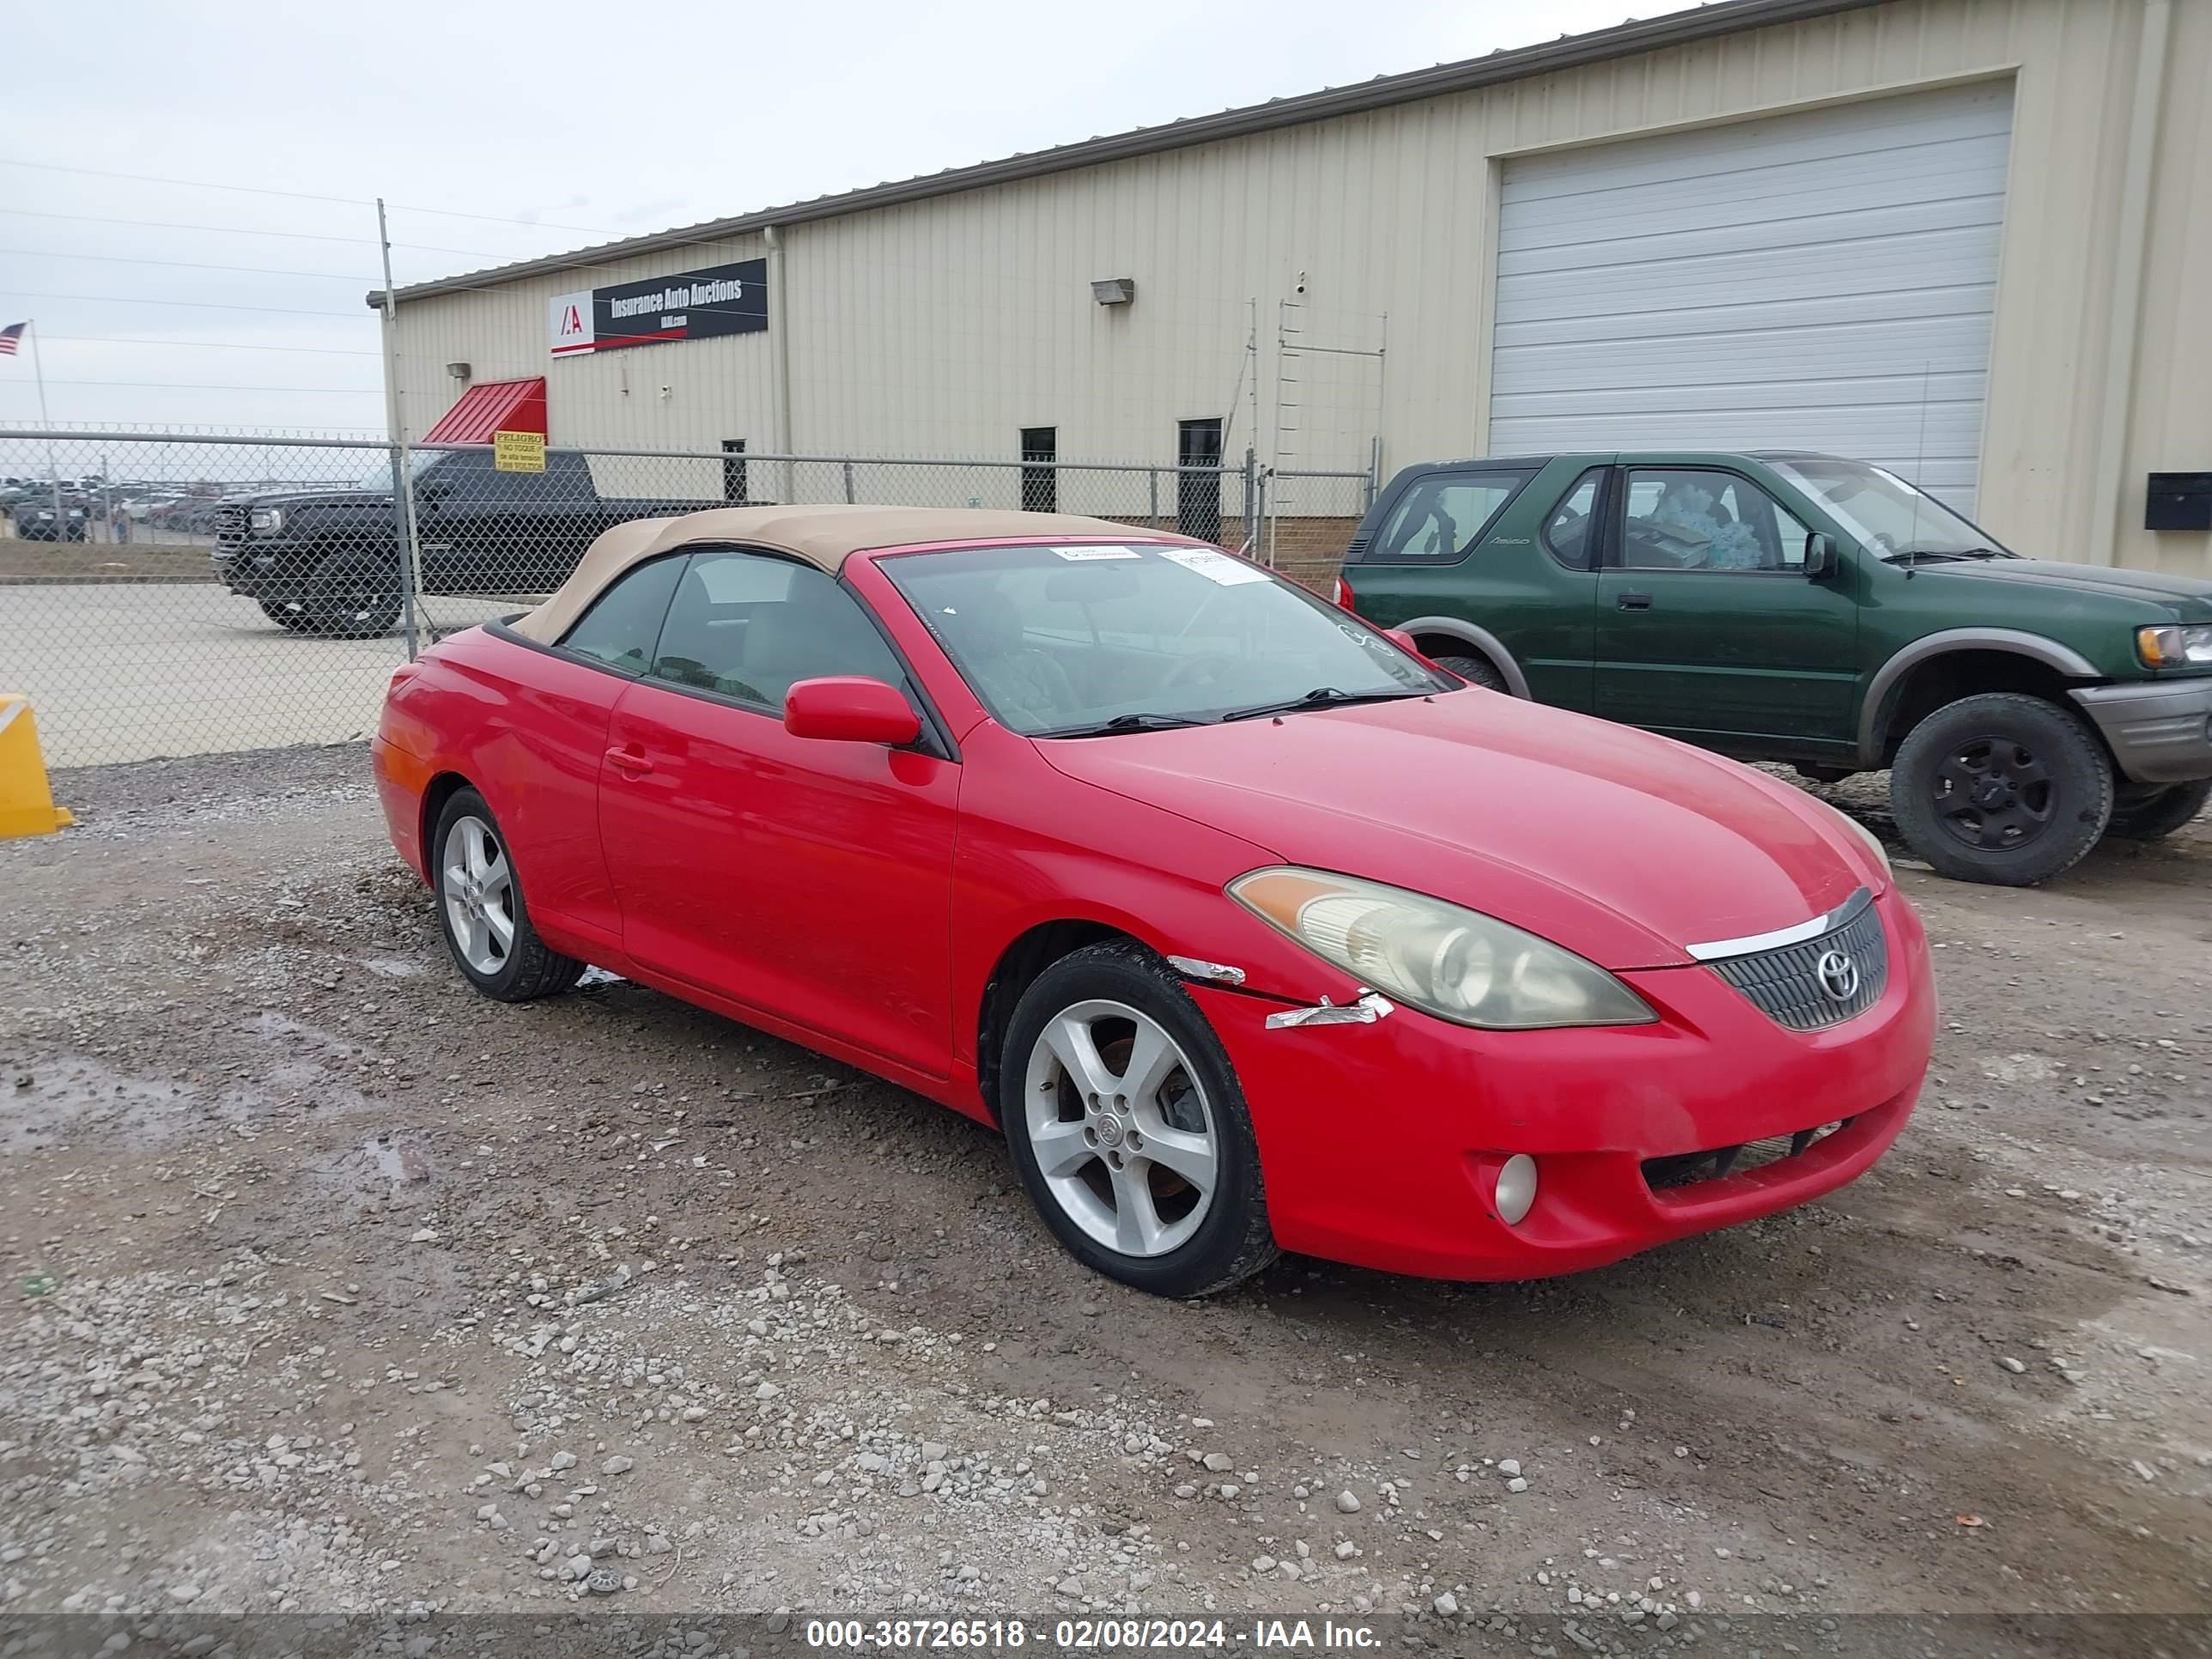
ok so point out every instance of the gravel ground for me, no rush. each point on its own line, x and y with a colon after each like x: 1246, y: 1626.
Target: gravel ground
x: 332, y: 1287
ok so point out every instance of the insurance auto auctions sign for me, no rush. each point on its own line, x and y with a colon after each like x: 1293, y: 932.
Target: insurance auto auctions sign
x: 698, y: 305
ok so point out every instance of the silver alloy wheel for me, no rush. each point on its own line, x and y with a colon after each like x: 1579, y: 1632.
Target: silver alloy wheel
x: 479, y: 892
x: 1121, y: 1127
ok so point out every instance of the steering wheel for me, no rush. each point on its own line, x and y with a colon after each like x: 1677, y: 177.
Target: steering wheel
x: 1207, y: 670
x: 1886, y: 543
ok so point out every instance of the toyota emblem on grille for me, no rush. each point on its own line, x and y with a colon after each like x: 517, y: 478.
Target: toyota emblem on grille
x: 1839, y: 974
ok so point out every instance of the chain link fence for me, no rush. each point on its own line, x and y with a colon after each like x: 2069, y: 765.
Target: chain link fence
x: 180, y: 593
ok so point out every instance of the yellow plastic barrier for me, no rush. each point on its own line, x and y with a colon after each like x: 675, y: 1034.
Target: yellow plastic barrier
x: 26, y: 803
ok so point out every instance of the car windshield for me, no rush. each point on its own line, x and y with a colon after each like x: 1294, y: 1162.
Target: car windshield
x: 1886, y: 514
x: 1085, y: 640
x: 377, y: 479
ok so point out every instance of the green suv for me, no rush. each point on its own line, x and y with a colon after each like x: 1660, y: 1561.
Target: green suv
x: 1789, y: 606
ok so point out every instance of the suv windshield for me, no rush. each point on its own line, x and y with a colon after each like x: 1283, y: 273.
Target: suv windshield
x: 378, y: 478
x: 1888, y: 515
x: 1089, y: 640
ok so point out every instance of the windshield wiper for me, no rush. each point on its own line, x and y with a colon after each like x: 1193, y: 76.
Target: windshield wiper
x: 1907, y: 555
x: 1321, y: 696
x: 1139, y: 722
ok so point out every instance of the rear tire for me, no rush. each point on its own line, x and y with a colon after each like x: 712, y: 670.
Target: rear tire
x: 1138, y: 1152
x: 287, y: 616
x: 1475, y: 670
x: 481, y: 910
x: 2002, y: 788
x: 2157, y: 814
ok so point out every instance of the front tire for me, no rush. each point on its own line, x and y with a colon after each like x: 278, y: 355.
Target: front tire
x: 1128, y: 1128
x: 2002, y: 787
x: 1475, y: 670
x: 353, y: 596
x: 481, y: 910
x: 2155, y: 815
x: 287, y: 616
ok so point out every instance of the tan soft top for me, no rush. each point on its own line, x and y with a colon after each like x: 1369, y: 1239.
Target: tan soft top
x: 823, y: 536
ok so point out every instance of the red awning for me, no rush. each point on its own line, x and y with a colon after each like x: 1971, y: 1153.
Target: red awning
x: 494, y: 406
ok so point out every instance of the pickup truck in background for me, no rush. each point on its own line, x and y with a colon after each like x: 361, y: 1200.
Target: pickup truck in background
x: 332, y: 562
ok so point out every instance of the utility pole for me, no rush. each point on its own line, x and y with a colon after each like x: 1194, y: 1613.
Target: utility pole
x: 53, y: 473
x: 403, y: 474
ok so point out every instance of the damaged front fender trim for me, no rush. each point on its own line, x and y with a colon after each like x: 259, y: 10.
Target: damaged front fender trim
x: 1363, y: 1010
x: 1214, y: 973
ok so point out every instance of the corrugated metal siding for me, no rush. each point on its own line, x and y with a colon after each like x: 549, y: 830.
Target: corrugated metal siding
x: 714, y: 389
x: 948, y: 325
x: 1822, y: 281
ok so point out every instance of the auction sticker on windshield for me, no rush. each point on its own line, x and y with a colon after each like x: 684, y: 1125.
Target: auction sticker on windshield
x: 1214, y: 566
x: 1077, y: 555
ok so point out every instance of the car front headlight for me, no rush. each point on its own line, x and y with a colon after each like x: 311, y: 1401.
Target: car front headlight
x: 1456, y: 964
x: 266, y: 520
x: 2188, y: 646
x: 1873, y: 840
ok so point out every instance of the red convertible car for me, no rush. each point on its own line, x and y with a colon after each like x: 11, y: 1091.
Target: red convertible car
x: 1251, y: 929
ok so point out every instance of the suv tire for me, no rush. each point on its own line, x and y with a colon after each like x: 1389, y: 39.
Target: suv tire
x: 2002, y: 788
x: 1475, y: 670
x: 2157, y: 814
x: 352, y: 596
x: 1190, y: 1239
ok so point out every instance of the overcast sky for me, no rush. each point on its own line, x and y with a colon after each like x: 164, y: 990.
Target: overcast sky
x: 584, y: 121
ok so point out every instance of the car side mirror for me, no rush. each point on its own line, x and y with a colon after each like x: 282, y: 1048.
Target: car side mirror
x: 1403, y: 641
x: 1819, y: 556
x: 850, y: 708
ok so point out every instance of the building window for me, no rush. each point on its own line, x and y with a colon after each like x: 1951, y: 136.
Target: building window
x: 736, y: 488
x: 1040, y: 484
x: 1198, y: 479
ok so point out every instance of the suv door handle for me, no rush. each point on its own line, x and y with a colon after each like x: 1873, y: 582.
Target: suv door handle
x: 1632, y: 601
x: 631, y: 761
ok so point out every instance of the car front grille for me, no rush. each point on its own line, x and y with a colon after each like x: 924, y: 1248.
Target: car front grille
x: 229, y: 523
x: 1714, y: 1163
x: 1818, y: 982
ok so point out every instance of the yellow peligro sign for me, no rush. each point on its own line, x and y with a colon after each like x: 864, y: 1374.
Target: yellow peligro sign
x: 519, y: 451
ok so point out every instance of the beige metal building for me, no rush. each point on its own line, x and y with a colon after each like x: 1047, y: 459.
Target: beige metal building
x: 1969, y: 239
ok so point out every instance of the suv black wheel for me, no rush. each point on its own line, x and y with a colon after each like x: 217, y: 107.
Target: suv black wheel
x: 353, y: 596
x: 2153, y: 814
x: 286, y: 613
x: 2002, y: 788
x: 1475, y: 670
x: 1128, y: 1128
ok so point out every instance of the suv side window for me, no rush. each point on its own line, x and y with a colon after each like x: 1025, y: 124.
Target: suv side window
x: 1570, y: 532
x: 745, y: 625
x: 1443, y: 516
x: 1693, y: 518
x: 623, y: 623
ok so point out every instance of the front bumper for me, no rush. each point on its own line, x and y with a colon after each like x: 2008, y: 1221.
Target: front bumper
x: 1380, y: 1142
x: 265, y: 570
x: 2160, y: 730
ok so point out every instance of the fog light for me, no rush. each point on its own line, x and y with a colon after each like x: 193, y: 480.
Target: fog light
x: 1516, y: 1188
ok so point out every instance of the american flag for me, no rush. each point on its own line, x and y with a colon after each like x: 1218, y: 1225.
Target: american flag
x: 10, y: 338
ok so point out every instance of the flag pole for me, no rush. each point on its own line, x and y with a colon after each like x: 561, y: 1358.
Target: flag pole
x: 53, y: 473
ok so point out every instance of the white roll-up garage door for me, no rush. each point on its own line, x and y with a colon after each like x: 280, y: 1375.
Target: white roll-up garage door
x: 1820, y: 281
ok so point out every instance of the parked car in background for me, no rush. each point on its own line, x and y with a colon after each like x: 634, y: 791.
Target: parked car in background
x: 1789, y: 606
x: 39, y: 516
x: 1248, y: 928
x: 329, y: 562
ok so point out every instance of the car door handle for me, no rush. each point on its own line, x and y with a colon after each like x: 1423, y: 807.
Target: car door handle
x: 1632, y: 601
x: 631, y: 761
